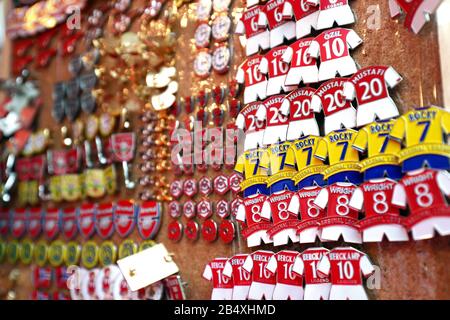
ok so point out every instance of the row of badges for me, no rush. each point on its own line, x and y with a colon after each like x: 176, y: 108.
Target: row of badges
x: 106, y: 283
x: 206, y: 186
x: 209, y: 230
x: 103, y: 219
x: 58, y: 253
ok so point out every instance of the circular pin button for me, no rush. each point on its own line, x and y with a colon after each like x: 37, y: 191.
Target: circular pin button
x: 202, y: 35
x: 89, y: 254
x: 127, y: 248
x: 174, y: 209
x: 209, y: 230
x: 146, y: 244
x: 41, y: 253
x: 192, y: 230
x: 56, y: 253
x: 12, y: 251
x: 203, y: 64
x: 227, y: 231
x: 175, y: 231
x: 189, y: 209
x: 26, y: 252
x: 72, y: 254
x: 222, y: 209
x: 221, y: 27
x: 107, y: 253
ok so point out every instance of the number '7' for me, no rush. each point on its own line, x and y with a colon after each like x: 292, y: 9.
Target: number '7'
x: 426, y: 127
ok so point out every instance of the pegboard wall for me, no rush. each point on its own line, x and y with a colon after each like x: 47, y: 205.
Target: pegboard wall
x: 412, y: 270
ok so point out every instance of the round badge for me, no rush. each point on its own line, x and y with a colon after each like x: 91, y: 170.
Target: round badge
x: 26, y: 252
x: 191, y: 230
x: 72, y: 254
x: 209, y: 230
x: 175, y: 231
x: 222, y: 209
x: 221, y: 185
x: 40, y: 253
x: 203, y: 10
x: 174, y: 209
x: 146, y: 244
x: 12, y: 251
x: 189, y: 209
x: 56, y: 253
x: 221, y: 59
x: 234, y: 180
x: 204, y: 209
x: 104, y: 281
x: 226, y: 231
x: 221, y: 5
x: 176, y: 189
x: 2, y: 251
x: 202, y: 64
x: 127, y: 248
x: 221, y: 28
x: 89, y: 254
x: 202, y: 35
x: 190, y: 187
x: 107, y: 253
x: 205, y: 186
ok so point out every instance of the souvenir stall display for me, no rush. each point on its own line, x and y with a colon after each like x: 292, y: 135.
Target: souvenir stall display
x: 279, y: 150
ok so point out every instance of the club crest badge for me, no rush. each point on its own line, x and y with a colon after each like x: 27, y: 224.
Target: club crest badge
x: 176, y: 189
x: 74, y: 283
x: 42, y: 277
x: 189, y: 209
x: 107, y: 253
x: 221, y: 185
x: 149, y: 219
x: 40, y: 253
x: 26, y: 252
x: 104, y: 220
x: 19, y: 223
x: 222, y: 209
x: 234, y: 181
x: 104, y: 282
x: 86, y: 221
x: 205, y: 186
x: 192, y: 230
x: 56, y: 253
x: 190, y: 188
x: 12, y: 251
x: 69, y: 223
x: 89, y: 254
x: 124, y: 217
x: 61, y: 277
x: 72, y: 254
x: 221, y: 58
x: 35, y: 222
x: 52, y: 223
x: 127, y: 248
x: 204, y: 209
x: 175, y: 231
x: 88, y: 289
x: 174, y: 209
x: 209, y: 230
x: 227, y: 231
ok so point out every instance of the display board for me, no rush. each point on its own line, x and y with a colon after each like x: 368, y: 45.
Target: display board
x: 410, y: 270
